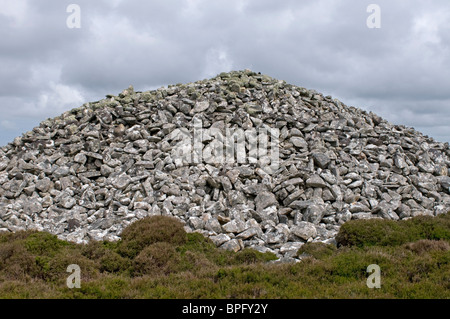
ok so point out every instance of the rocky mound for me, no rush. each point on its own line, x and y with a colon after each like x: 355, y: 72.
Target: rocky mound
x: 90, y: 172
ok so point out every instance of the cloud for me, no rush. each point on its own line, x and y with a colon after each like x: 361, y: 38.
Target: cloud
x: 8, y: 125
x: 401, y: 70
x: 217, y: 60
x: 14, y: 11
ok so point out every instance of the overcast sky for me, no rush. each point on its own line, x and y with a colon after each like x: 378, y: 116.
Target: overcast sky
x: 401, y: 71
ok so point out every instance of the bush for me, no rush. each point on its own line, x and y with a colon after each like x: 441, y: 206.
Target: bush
x: 20, y: 235
x: 371, y: 232
x: 150, y: 230
x: 43, y: 243
x: 251, y: 256
x: 109, y: 259
x: 433, y: 228
x: 194, y: 261
x: 56, y: 268
x: 34, y: 265
x: 114, y: 263
x: 316, y: 250
x: 381, y: 232
x: 197, y: 242
x: 16, y: 263
x: 155, y: 259
x: 425, y: 245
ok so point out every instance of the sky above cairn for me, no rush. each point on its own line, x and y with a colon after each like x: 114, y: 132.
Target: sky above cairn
x: 400, y: 71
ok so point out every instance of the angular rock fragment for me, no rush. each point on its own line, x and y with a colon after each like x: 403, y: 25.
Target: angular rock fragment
x: 315, y: 181
x: 320, y: 159
x: 314, y: 213
x: 304, y: 230
x: 264, y: 200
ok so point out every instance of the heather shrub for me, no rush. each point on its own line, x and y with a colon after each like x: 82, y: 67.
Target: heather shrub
x: 55, y: 268
x: 16, y: 263
x: 194, y: 261
x: 425, y: 245
x: 155, y: 259
x: 20, y: 235
x: 113, y: 262
x: 109, y: 260
x: 371, y: 232
x: 150, y: 230
x: 251, y: 256
x: 392, y: 233
x: 427, y: 227
x: 197, y: 242
x: 316, y: 250
x: 43, y: 243
x: 155, y: 262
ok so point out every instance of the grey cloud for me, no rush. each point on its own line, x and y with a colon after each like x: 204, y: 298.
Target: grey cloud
x: 401, y: 70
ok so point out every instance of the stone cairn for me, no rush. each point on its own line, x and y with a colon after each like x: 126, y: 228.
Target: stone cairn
x: 90, y: 172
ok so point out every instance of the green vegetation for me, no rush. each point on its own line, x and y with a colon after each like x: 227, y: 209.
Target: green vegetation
x: 391, y: 233
x: 149, y: 231
x: 157, y: 259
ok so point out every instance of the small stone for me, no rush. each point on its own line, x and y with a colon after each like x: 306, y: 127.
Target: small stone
x: 250, y: 232
x: 3, y: 164
x: 290, y: 249
x: 292, y: 197
x: 314, y: 213
x: 320, y: 159
x: 119, y: 130
x: 72, y: 224
x: 32, y: 207
x: 268, y: 213
x: 426, y: 167
x: 358, y: 208
x: 234, y: 226
x: 220, y: 239
x: 44, y: 185
x: 304, y: 230
x: 293, y: 181
x: 315, y: 181
x: 61, y: 172
x: 236, y: 198
x: 298, y: 142
x: 200, y: 106
x: 232, y: 245
x: 399, y: 161
x: 362, y: 216
x: 196, y: 222
x: 301, y: 204
x: 213, y: 225
x: 264, y: 200
x: 277, y: 235
x: 121, y: 182
x: 68, y: 202
x: 3, y: 177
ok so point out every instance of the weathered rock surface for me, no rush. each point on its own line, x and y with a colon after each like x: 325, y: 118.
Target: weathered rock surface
x: 90, y: 172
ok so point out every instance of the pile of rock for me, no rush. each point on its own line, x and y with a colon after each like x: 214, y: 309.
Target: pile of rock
x: 90, y: 172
